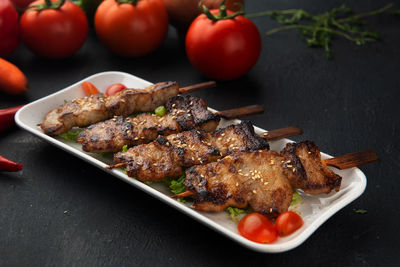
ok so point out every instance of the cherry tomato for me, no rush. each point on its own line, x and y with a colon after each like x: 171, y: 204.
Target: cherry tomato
x: 115, y: 88
x: 89, y: 88
x: 288, y: 222
x: 54, y: 32
x: 257, y: 228
x: 9, y: 30
x: 131, y: 28
x: 224, y: 49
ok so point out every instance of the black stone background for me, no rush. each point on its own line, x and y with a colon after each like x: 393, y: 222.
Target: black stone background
x: 348, y: 104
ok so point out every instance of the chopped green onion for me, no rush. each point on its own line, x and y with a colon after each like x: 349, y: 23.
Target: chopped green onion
x: 124, y: 148
x: 296, y: 199
x: 160, y: 111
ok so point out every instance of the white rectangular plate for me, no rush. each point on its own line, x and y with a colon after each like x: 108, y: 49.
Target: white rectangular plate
x: 315, y: 210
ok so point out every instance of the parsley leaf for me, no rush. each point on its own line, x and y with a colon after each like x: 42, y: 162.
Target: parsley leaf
x: 176, y: 186
x: 360, y: 211
x: 71, y: 135
x: 235, y: 212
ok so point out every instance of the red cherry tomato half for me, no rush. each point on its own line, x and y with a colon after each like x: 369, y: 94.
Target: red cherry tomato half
x: 89, y: 88
x: 115, y: 88
x: 288, y: 222
x: 257, y: 228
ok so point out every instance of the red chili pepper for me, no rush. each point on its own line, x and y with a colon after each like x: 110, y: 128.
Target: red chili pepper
x: 8, y: 165
x: 7, y: 117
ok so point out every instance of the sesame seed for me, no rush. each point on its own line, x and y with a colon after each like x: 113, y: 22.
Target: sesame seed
x: 201, y: 175
x: 199, y: 184
x: 237, y: 184
x: 254, y: 192
x: 289, y: 166
x: 191, y: 103
x: 265, y: 183
x: 309, y: 152
x: 136, y: 138
x: 293, y: 170
x: 173, y: 105
x: 270, y: 209
x: 223, y: 134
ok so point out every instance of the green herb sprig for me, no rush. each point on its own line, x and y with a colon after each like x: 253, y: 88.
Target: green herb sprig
x: 71, y: 135
x: 319, y: 30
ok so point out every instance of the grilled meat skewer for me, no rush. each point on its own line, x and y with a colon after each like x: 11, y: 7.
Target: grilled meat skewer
x: 308, y: 171
x: 167, y: 156
x: 183, y: 113
x: 262, y: 180
x: 256, y: 179
x: 88, y: 110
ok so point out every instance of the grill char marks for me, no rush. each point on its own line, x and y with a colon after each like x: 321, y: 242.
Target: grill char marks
x: 240, y: 180
x: 306, y: 170
x: 191, y: 113
x: 183, y: 112
x: 88, y: 110
x: 166, y: 156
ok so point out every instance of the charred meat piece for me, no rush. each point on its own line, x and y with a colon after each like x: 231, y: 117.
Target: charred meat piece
x: 88, y: 110
x: 183, y: 113
x: 167, y: 156
x: 308, y: 171
x: 78, y: 112
x: 256, y: 179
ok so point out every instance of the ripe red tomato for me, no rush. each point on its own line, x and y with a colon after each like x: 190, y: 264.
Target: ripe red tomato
x: 22, y: 4
x: 257, y: 228
x: 288, y: 222
x: 224, y: 49
x: 54, y: 32
x: 131, y: 29
x: 115, y: 88
x: 89, y: 88
x: 9, y: 30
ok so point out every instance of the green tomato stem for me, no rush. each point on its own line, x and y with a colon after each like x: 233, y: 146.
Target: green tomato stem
x: 223, y: 14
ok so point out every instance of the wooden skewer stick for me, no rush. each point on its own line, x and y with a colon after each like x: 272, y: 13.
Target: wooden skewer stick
x: 352, y: 159
x: 196, y: 87
x: 282, y: 133
x: 241, y: 112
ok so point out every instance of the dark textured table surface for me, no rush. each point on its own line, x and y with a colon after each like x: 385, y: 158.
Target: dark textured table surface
x: 61, y: 211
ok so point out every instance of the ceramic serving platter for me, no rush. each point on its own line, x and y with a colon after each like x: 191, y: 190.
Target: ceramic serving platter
x: 315, y: 210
